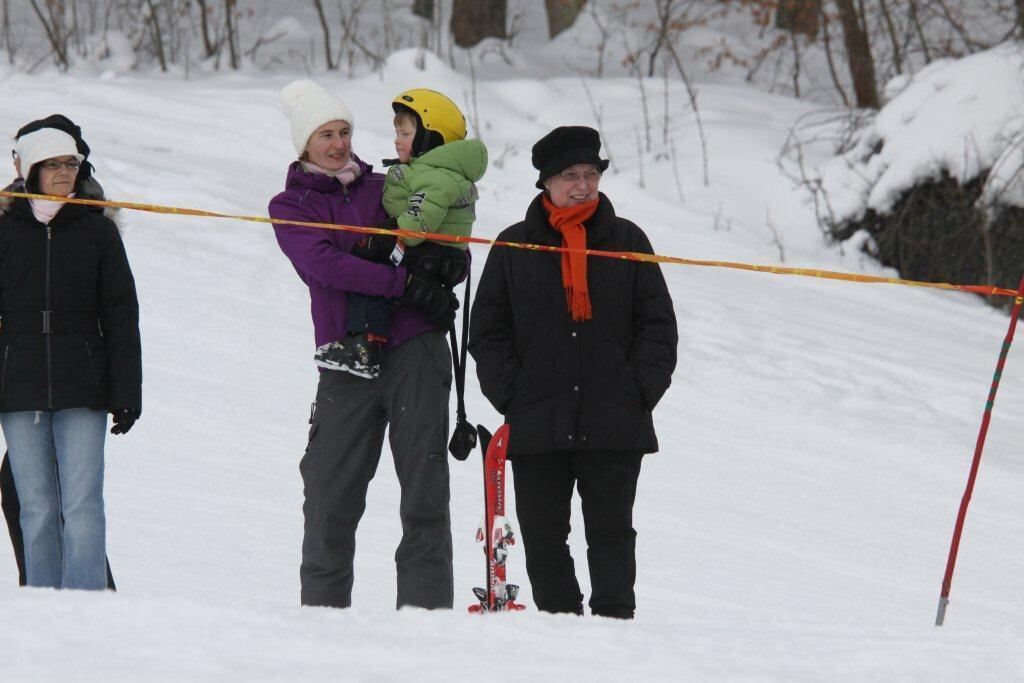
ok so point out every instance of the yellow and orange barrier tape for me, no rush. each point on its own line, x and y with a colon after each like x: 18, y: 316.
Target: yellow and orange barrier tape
x: 628, y: 255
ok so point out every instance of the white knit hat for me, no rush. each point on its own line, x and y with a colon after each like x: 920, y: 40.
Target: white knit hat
x: 43, y: 144
x: 309, y: 106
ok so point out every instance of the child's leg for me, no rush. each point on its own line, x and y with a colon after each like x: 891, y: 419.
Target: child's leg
x: 352, y: 353
x: 358, y: 310
x: 378, y: 318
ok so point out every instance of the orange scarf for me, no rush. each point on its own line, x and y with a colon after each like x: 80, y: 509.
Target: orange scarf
x: 568, y: 221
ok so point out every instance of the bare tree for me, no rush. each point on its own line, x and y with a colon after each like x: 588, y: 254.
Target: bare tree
x: 352, y: 39
x: 798, y: 16
x: 474, y: 20
x: 858, y: 55
x: 665, y: 9
x: 919, y: 29
x: 211, y: 45
x: 598, y: 111
x: 669, y: 25
x: 826, y: 25
x: 894, y: 41
x: 6, y: 37
x: 423, y: 8
x: 562, y: 14
x: 331, y: 64
x: 602, y: 46
x: 157, y: 34
x: 56, y: 32
x: 692, y: 94
x: 231, y: 31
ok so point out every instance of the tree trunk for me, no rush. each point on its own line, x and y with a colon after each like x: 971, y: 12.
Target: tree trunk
x: 474, y: 20
x: 231, y: 31
x: 5, y: 32
x: 1020, y: 17
x: 327, y: 34
x: 424, y: 8
x: 798, y: 16
x: 827, y: 40
x: 209, y: 48
x: 890, y: 25
x: 562, y: 14
x: 920, y: 31
x: 858, y: 55
x: 54, y: 31
x: 158, y: 37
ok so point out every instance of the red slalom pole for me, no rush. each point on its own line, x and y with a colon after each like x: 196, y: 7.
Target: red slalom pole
x: 954, y: 546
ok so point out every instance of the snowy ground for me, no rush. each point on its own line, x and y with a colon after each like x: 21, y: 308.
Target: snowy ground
x: 815, y: 442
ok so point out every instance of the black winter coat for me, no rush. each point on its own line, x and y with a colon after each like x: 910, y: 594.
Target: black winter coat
x: 565, y: 385
x: 75, y: 268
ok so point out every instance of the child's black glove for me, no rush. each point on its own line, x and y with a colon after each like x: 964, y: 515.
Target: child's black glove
x: 434, y: 301
x: 376, y: 248
x: 445, y: 264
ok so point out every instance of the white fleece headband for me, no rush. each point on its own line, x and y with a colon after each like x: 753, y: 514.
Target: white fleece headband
x: 309, y: 106
x: 43, y: 144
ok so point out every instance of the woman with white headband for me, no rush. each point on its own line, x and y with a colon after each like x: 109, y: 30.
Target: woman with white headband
x: 69, y: 354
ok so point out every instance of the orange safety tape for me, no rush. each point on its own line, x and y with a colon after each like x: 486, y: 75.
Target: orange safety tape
x: 628, y: 255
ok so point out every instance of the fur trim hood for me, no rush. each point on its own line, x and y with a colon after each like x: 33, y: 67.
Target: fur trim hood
x: 90, y: 189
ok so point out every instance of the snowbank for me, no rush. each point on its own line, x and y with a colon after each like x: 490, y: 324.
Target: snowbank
x: 958, y: 116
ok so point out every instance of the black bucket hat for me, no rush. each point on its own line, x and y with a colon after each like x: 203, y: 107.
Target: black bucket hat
x: 566, y: 146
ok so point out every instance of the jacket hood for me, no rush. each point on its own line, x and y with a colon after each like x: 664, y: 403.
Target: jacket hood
x: 299, y: 177
x: 468, y: 158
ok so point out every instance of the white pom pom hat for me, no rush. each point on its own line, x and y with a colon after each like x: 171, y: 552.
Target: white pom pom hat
x: 43, y: 144
x: 309, y: 106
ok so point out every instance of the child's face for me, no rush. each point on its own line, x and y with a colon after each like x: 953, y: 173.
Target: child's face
x: 404, y: 134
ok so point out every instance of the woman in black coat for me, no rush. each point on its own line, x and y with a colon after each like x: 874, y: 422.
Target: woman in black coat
x: 575, y: 352
x: 69, y: 354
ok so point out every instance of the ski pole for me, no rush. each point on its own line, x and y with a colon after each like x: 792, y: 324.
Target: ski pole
x: 947, y: 580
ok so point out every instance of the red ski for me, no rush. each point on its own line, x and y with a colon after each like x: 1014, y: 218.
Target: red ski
x: 495, y: 532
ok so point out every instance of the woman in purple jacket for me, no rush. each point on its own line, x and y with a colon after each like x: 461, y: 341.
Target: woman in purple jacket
x: 330, y: 184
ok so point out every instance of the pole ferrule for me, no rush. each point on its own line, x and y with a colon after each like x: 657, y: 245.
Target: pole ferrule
x: 940, y: 616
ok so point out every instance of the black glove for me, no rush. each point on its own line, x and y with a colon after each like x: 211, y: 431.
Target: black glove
x: 436, y: 303
x: 376, y: 248
x: 445, y: 264
x: 124, y: 418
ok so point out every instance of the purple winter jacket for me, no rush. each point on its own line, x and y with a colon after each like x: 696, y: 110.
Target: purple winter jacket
x: 322, y: 257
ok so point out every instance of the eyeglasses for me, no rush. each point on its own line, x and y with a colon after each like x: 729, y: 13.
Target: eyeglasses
x: 54, y: 165
x: 574, y: 177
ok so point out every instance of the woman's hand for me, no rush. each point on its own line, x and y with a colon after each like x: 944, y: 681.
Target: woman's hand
x: 124, y: 419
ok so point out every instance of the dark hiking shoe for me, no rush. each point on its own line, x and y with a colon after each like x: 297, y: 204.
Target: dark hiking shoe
x: 352, y: 354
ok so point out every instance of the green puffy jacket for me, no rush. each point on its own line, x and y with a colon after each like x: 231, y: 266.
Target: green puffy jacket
x: 436, y: 192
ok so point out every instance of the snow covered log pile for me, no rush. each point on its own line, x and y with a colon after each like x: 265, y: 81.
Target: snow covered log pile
x: 933, y: 184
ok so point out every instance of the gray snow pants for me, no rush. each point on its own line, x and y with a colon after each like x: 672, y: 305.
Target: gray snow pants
x: 345, y: 441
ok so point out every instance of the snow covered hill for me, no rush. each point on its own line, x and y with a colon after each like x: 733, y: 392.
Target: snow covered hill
x: 815, y: 442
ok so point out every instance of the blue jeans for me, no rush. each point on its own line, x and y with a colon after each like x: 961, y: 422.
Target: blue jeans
x: 57, y: 462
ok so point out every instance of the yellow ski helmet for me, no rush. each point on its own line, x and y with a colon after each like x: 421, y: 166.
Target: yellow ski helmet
x: 438, y: 116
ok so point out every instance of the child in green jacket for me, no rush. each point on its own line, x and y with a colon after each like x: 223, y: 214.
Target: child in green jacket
x: 430, y: 188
